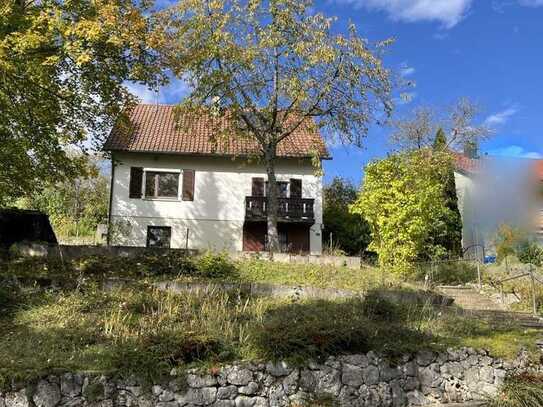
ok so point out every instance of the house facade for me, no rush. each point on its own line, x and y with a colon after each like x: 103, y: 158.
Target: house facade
x: 492, y: 191
x: 175, y: 186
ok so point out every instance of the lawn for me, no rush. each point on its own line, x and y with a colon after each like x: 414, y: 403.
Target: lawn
x: 71, y: 323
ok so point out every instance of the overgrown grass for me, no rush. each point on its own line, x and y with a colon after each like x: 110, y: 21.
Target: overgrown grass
x: 322, y: 276
x: 78, y: 325
x: 521, y: 287
x: 524, y: 390
x: 446, y: 272
x: 139, y: 330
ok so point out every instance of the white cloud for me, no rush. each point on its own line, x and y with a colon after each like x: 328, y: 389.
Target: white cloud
x: 172, y: 93
x: 447, y: 12
x: 515, y: 152
x: 406, y: 71
x: 500, y: 118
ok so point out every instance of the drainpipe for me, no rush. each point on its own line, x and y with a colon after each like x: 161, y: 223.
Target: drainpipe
x: 108, y: 238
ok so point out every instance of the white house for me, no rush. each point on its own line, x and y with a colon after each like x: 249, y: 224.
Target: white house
x: 174, y: 184
x: 492, y: 191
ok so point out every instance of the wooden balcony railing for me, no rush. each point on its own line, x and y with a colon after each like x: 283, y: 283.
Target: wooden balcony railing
x: 290, y: 209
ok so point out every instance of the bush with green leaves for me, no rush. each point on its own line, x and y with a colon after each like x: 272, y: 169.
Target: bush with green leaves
x: 407, y: 203
x: 529, y: 252
x: 215, y: 265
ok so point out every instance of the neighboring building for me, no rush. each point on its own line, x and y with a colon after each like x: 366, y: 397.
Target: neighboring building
x: 175, y: 185
x: 492, y: 191
x: 24, y: 226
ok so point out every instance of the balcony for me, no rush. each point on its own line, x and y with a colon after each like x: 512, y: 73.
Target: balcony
x: 290, y: 209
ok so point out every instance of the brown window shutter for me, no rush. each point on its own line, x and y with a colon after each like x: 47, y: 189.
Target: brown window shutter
x: 188, y: 185
x: 295, y: 188
x: 136, y: 180
x: 258, y: 187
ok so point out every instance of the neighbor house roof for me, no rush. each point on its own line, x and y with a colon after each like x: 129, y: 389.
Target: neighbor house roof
x: 538, y: 165
x: 466, y: 164
x: 153, y: 128
x: 472, y: 166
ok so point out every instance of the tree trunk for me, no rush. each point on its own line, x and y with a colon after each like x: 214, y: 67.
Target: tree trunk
x: 272, y: 200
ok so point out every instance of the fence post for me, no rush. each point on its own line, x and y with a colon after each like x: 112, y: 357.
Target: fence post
x: 534, y: 302
x: 479, y: 275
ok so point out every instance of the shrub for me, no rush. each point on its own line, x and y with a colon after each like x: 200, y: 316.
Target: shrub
x: 520, y: 391
x: 529, y: 252
x: 215, y: 265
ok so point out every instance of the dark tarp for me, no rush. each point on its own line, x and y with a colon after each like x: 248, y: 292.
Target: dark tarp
x: 18, y: 225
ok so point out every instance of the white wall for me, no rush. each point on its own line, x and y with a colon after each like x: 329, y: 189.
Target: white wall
x: 215, y: 217
x: 465, y: 190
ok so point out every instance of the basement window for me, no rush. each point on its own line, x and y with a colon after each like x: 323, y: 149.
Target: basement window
x: 159, y: 236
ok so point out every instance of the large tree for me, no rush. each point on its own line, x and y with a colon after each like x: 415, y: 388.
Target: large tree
x: 62, y: 66
x: 457, y: 126
x: 271, y: 67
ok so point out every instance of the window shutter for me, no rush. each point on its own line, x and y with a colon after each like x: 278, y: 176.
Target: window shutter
x: 188, y: 185
x: 258, y: 187
x: 295, y: 188
x: 136, y: 180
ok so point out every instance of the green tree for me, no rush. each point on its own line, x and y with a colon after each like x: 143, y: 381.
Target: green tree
x: 451, y: 240
x: 440, y: 140
x: 529, y: 252
x: 272, y: 67
x: 75, y: 206
x: 62, y: 66
x: 403, y: 201
x: 343, y: 229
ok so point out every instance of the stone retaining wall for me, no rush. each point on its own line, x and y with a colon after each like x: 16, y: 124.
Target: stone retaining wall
x: 353, y: 380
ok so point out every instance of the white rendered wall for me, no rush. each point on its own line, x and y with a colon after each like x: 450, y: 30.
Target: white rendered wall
x: 215, y: 218
x: 465, y: 193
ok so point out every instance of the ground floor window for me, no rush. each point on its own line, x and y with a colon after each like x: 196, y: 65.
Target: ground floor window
x: 159, y: 236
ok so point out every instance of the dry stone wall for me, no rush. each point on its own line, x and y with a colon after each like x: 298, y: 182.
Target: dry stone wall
x: 351, y: 380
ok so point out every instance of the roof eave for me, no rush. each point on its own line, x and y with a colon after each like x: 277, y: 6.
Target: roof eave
x: 194, y: 154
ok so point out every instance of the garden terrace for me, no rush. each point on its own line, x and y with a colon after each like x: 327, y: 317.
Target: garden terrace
x: 59, y: 318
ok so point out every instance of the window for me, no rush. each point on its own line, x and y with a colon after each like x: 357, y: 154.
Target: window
x: 295, y: 188
x: 136, y: 181
x: 159, y: 236
x: 161, y: 184
x: 188, y: 185
x: 257, y: 187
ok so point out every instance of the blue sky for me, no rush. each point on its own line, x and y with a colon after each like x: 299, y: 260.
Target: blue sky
x: 488, y: 50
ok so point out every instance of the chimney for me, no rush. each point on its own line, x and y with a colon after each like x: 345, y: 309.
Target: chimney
x: 471, y: 150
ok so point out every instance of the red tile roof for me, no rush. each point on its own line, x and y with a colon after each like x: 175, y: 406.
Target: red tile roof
x: 470, y: 166
x: 538, y: 166
x: 153, y: 128
x: 465, y: 164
